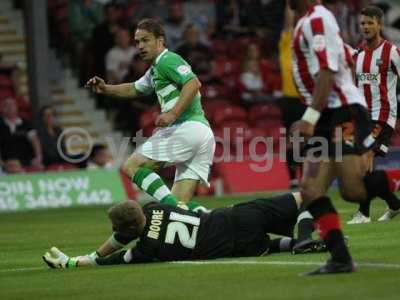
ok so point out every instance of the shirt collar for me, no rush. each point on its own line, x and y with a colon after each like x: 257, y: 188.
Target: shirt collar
x: 12, y: 125
x: 311, y: 9
x: 18, y: 121
x: 160, y: 55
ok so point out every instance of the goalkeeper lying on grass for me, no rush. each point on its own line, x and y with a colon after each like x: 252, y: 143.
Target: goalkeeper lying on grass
x: 168, y: 233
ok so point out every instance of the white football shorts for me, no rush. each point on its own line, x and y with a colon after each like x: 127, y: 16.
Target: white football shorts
x: 189, y: 146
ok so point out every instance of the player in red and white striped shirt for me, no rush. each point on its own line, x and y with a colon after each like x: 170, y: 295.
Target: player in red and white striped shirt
x: 377, y: 67
x: 336, y: 117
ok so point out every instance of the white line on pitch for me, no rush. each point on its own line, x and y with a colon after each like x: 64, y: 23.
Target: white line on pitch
x: 21, y: 269
x: 239, y: 262
x: 282, y: 263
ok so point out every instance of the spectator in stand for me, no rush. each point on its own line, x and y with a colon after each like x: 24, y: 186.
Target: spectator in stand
x: 175, y: 25
x: 202, y: 14
x: 253, y: 52
x: 100, y: 158
x: 119, y: 58
x: 13, y: 166
x: 19, y: 78
x: 18, y: 139
x: 6, y: 68
x: 196, y: 53
x: 253, y: 88
x: 137, y: 69
x: 84, y: 16
x: 227, y: 17
x: 127, y: 117
x: 103, y: 36
x: 250, y: 13
x: 291, y: 106
x: 156, y: 9
x: 49, y: 133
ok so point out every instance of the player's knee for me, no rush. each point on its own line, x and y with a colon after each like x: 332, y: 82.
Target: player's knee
x: 355, y: 195
x: 130, y: 167
x: 309, y: 191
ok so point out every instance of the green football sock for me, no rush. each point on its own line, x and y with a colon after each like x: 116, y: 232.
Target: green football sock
x: 152, y: 184
x: 194, y: 206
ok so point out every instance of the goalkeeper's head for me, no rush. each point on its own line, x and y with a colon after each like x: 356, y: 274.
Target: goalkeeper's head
x: 127, y: 218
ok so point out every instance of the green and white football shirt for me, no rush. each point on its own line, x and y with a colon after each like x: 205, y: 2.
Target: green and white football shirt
x: 166, y: 77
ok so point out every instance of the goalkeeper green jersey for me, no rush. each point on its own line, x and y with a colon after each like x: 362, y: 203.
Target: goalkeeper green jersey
x: 166, y: 77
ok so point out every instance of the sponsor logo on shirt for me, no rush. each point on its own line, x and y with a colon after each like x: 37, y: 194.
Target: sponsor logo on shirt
x: 369, y: 78
x: 319, y: 43
x: 183, y: 70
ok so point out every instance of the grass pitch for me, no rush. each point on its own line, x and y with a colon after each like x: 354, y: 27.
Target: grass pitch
x: 24, y: 237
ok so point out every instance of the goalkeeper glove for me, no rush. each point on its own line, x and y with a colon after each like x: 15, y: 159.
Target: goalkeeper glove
x: 59, y: 260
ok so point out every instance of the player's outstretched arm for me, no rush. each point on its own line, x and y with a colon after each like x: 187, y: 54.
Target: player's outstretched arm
x: 56, y: 259
x: 99, y: 86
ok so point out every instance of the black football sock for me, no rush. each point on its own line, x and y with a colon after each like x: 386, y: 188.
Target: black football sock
x: 327, y: 222
x: 377, y: 184
x: 305, y: 225
x: 364, y: 208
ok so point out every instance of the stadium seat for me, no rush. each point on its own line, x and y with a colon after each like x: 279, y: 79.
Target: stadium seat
x: 218, y: 47
x: 215, y: 91
x: 222, y: 146
x: 257, y: 174
x: 396, y: 140
x: 264, y: 112
x: 168, y: 173
x: 211, y: 105
x: 147, y: 121
x: 230, y: 113
x: 33, y: 169
x: 6, y: 93
x: 5, y: 82
x: 267, y: 123
x: 223, y: 66
x: 60, y: 167
x: 253, y: 142
x: 237, y: 48
x: 129, y: 187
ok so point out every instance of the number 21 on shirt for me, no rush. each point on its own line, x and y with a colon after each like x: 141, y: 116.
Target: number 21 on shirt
x: 179, y: 227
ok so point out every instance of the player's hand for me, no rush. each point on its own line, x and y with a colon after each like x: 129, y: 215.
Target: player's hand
x: 56, y: 259
x: 96, y: 85
x: 303, y: 128
x: 166, y: 119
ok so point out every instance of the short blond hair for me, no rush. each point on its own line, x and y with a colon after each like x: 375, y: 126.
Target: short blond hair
x: 126, y: 217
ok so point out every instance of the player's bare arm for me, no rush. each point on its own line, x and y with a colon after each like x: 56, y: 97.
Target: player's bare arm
x: 188, y: 92
x: 323, y: 87
x: 99, y: 86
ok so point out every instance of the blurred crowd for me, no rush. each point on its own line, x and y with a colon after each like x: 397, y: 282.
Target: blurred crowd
x: 32, y: 142
x: 33, y: 145
x: 235, y: 47
x: 231, y: 45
